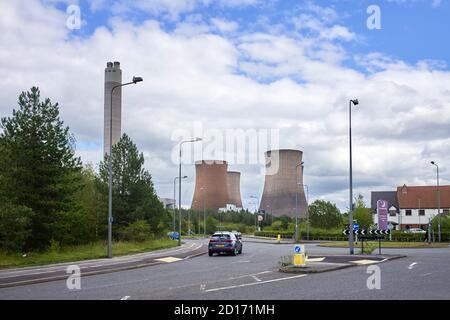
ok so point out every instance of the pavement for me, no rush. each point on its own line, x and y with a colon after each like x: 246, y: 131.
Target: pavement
x: 254, y: 275
x: 28, y: 275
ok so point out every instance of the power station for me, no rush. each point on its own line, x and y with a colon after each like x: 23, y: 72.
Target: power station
x: 211, y: 185
x: 234, y: 188
x: 284, y: 178
x: 113, y: 77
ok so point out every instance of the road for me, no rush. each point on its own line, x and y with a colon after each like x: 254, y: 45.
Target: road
x: 423, y: 274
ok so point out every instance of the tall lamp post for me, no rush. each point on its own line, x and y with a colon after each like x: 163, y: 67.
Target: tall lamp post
x: 204, y: 215
x: 179, y: 185
x: 296, y: 200
x: 174, y: 201
x: 438, y: 199
x: 307, y: 209
x: 350, y: 211
x: 110, y: 217
x: 256, y: 211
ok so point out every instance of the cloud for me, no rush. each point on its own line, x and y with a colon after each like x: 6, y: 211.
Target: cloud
x: 297, y: 83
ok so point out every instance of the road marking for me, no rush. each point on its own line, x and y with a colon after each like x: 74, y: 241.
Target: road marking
x: 202, y: 287
x: 315, y: 259
x: 412, y: 265
x: 249, y: 275
x: 426, y: 274
x: 256, y: 278
x: 125, y: 298
x: 365, y: 261
x: 242, y: 261
x: 169, y: 259
x: 255, y: 283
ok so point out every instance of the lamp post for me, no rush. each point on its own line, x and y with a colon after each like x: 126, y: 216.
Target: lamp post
x: 204, y: 215
x: 438, y: 199
x: 174, y: 201
x: 350, y: 211
x: 307, y: 209
x: 179, y: 185
x: 110, y: 217
x: 256, y: 212
x: 296, y: 201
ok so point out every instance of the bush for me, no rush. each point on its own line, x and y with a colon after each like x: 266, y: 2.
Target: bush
x: 15, y: 227
x: 137, y: 231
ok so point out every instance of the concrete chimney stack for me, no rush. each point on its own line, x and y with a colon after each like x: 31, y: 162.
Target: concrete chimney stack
x: 113, y: 77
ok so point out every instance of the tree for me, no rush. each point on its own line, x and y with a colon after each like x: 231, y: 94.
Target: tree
x: 324, y: 214
x: 15, y: 227
x: 361, y: 214
x: 134, y: 197
x: 38, y: 167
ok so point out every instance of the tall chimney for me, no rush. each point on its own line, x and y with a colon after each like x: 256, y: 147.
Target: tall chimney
x: 113, y: 77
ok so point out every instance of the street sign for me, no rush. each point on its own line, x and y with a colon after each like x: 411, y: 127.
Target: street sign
x: 382, y: 211
x: 356, y: 232
x: 299, y: 248
x: 379, y: 232
x: 260, y: 218
x: 355, y: 226
x: 390, y: 226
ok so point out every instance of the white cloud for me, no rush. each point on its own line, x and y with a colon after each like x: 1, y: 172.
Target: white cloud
x: 246, y: 81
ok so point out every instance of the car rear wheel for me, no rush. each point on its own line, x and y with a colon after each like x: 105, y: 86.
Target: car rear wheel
x: 210, y: 253
x: 235, y: 252
x: 240, y: 251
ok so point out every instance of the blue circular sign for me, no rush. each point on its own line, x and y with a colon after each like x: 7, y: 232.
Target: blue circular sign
x: 298, y: 249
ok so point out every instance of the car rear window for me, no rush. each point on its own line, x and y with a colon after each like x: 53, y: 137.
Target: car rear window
x: 221, y: 236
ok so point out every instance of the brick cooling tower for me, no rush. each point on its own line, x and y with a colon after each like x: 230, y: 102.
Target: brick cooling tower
x: 234, y: 188
x: 280, y: 186
x: 211, y: 185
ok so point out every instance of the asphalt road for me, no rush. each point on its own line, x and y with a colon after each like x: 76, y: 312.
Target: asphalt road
x: 423, y: 274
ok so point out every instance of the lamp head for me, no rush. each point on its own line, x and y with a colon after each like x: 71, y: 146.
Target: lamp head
x: 432, y: 162
x: 137, y: 79
x: 355, y: 102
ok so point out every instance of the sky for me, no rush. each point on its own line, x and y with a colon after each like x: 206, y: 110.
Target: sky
x: 285, y: 69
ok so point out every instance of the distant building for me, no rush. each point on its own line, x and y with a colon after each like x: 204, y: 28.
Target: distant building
x: 167, y: 202
x: 412, y: 206
x: 230, y: 208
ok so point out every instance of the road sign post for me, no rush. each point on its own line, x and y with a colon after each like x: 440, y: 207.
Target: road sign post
x: 299, y: 256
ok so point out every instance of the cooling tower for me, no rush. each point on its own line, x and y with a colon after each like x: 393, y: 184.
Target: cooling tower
x: 234, y: 188
x: 113, y: 77
x: 282, y: 175
x: 211, y: 186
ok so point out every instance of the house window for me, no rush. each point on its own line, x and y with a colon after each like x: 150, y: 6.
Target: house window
x: 408, y: 212
x: 421, y: 212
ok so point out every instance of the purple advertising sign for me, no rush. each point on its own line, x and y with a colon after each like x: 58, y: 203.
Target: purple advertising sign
x: 382, y: 211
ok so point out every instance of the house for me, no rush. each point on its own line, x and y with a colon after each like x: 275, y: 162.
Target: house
x: 412, y: 206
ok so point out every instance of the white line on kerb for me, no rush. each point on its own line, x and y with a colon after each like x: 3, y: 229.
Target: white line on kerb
x: 412, y: 265
x: 254, y: 283
x: 125, y: 298
x: 256, y: 278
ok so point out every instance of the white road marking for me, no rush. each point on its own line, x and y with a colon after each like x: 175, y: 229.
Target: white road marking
x: 241, y: 261
x: 125, y: 298
x: 169, y: 259
x: 249, y: 275
x: 202, y: 287
x: 256, y: 278
x: 365, y: 261
x: 255, y: 283
x: 426, y: 274
x: 412, y: 265
x: 315, y: 259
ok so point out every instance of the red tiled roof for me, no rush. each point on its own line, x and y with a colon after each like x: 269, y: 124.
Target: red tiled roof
x: 408, y: 197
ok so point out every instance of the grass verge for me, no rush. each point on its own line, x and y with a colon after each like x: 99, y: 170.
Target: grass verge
x: 385, y: 244
x: 95, y: 250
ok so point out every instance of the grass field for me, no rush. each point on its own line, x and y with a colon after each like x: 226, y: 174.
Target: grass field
x: 84, y: 252
x: 386, y: 244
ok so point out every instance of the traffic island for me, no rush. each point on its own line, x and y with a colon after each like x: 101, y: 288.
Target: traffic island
x: 319, y: 264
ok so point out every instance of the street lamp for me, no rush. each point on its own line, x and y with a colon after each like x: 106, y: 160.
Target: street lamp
x: 179, y: 185
x: 296, y: 201
x: 438, y: 199
x: 256, y: 211
x: 110, y: 217
x: 350, y: 211
x: 204, y: 216
x: 174, y: 201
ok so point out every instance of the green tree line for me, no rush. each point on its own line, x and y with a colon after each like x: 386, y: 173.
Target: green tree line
x: 47, y: 196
